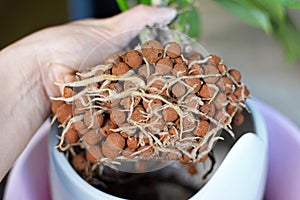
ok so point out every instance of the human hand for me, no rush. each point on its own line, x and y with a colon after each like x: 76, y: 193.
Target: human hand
x: 29, y: 67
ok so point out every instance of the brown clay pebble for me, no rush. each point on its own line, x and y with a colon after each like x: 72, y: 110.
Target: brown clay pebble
x: 207, y: 91
x: 92, y: 137
x: 64, y: 112
x: 94, y: 153
x: 213, y: 73
x: 78, y: 125
x: 152, y: 50
x: 195, y: 83
x: 241, y: 92
x: 71, y: 136
x: 113, y: 58
x: 137, y: 114
x: 133, y: 58
x: 178, y: 90
x: 214, y: 60
x: 118, y: 116
x: 129, y: 85
x: 153, y: 103
x: 120, y: 69
x: 172, y: 130
x: 173, y: 49
x: 156, y: 125
x: 163, y: 66
x: 55, y: 105
x: 156, y: 87
x: 220, y: 100
x: 108, y: 125
x: 220, y: 117
x: 202, y: 128
x: 79, y: 162
x: 126, y: 102
x: 238, y: 119
x: 208, y: 109
x: 236, y: 75
x: 192, y: 56
x: 191, y: 101
x: 188, y: 124
x: 146, y: 71
x: 228, y: 84
x: 68, y: 92
x: 179, y: 60
x: 132, y: 143
x: 113, y: 145
x: 146, y: 150
x: 180, y: 70
x: 192, y: 169
x: 93, y: 118
x: 196, y: 69
x: 222, y: 68
x: 127, y: 152
x: 169, y: 114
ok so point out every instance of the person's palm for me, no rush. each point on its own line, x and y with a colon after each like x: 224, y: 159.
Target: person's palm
x: 67, y: 47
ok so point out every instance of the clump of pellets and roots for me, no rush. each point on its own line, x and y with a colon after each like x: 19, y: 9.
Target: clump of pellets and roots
x: 151, y: 103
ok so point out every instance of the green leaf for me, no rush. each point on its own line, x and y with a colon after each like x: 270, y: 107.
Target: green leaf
x: 273, y: 7
x: 146, y: 2
x: 291, y: 4
x: 193, y: 22
x: 122, y: 5
x: 248, y: 13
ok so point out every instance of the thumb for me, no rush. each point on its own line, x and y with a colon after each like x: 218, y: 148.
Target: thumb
x: 124, y: 27
x: 141, y: 16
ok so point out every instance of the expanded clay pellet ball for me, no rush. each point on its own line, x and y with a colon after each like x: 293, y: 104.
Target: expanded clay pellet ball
x: 180, y: 69
x: 214, y: 60
x: 55, y: 105
x: 71, y: 136
x: 194, y: 83
x: 113, y: 145
x: 132, y: 142
x: 113, y: 59
x: 178, y: 90
x: 152, y: 103
x: 173, y: 49
x: 202, y: 128
x: 236, y: 75
x: 79, y: 162
x: 92, y: 137
x: 153, y: 51
x: 208, y: 109
x: 118, y: 116
x: 238, y: 119
x: 196, y: 69
x: 169, y: 114
x: 93, y: 153
x: 120, y: 69
x: 133, y: 58
x: 68, y: 92
x: 145, y: 71
x: 163, y: 66
x: 64, y: 112
x: 137, y: 114
x: 213, y: 72
x: 93, y: 119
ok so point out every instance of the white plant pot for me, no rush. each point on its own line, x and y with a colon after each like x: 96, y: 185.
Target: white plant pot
x: 241, y: 175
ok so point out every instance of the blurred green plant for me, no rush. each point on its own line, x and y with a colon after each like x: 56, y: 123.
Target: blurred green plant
x: 269, y: 15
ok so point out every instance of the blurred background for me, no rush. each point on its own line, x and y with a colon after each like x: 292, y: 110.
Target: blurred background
x: 258, y: 56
